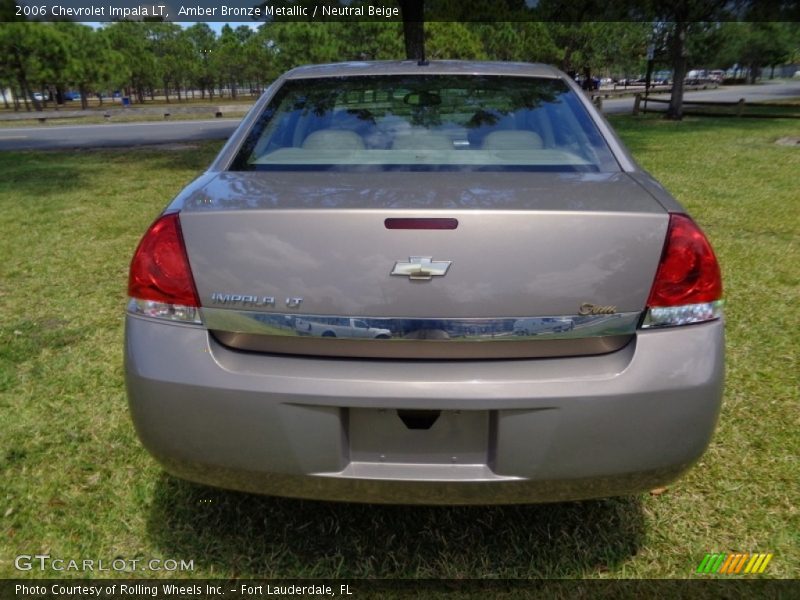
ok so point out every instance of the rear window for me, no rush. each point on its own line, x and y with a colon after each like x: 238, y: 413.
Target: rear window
x: 425, y: 123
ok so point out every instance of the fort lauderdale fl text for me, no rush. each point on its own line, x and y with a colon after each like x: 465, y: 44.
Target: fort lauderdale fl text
x: 223, y: 11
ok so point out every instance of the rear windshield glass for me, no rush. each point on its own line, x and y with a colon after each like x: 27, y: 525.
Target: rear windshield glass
x: 425, y: 123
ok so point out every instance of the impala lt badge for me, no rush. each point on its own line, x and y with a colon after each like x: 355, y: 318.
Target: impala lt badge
x: 252, y: 300
x: 421, y: 268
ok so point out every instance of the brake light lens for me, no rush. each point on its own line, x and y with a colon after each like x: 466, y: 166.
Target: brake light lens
x: 424, y: 223
x: 688, y: 284
x: 160, y: 283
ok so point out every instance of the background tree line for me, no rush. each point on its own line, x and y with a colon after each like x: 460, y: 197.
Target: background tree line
x: 145, y: 59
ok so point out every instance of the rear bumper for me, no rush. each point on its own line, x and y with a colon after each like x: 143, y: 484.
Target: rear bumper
x: 510, y: 431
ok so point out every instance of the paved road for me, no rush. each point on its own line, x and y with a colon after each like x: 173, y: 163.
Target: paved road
x: 46, y: 137
x: 163, y: 132
x: 771, y: 91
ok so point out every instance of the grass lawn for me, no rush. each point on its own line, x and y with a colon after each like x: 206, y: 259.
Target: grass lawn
x: 75, y: 483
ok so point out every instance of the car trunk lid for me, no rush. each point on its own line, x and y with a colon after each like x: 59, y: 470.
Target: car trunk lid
x: 548, y: 264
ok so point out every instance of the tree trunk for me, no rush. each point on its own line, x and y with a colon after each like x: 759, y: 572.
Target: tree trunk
x: 675, y: 110
x: 84, y: 97
x: 753, y: 75
x: 19, y: 71
x: 26, y: 95
x: 588, y: 82
x: 166, y: 90
x: 566, y: 62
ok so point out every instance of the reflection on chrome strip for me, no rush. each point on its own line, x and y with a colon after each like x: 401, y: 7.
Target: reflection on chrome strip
x: 404, y: 329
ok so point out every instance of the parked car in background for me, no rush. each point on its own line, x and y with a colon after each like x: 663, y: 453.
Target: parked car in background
x: 555, y: 315
x: 343, y: 327
x: 588, y: 84
x: 663, y: 77
x: 697, y: 77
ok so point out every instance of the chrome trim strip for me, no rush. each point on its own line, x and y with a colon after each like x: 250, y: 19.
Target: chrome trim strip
x: 398, y: 329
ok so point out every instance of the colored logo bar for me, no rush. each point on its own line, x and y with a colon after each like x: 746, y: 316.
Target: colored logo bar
x: 734, y: 564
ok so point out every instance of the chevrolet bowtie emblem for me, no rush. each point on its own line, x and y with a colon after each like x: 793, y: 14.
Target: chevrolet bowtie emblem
x: 421, y: 268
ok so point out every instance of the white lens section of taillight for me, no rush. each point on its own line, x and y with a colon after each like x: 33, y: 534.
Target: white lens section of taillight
x: 671, y: 316
x: 161, y: 310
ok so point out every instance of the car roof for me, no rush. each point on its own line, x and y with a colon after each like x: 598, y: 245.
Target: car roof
x: 434, y: 67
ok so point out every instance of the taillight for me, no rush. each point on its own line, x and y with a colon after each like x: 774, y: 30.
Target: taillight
x: 688, y: 285
x: 160, y: 283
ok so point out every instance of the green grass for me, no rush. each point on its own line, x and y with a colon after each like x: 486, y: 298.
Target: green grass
x: 75, y: 483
